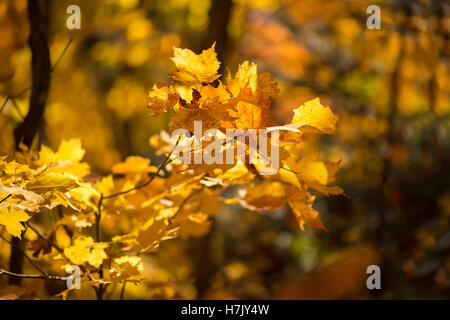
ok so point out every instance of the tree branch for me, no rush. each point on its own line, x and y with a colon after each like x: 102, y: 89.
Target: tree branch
x: 40, y: 235
x: 18, y: 94
x: 161, y: 166
x: 25, y: 255
x: 28, y: 128
x: 5, y: 198
x: 33, y: 276
x: 54, y: 245
x: 98, y: 216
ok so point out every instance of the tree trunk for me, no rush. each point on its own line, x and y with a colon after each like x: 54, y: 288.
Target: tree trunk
x: 219, y: 16
x: 27, y: 130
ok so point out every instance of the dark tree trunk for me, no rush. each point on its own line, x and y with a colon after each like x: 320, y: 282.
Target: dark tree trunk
x: 40, y: 67
x: 27, y: 130
x: 219, y: 15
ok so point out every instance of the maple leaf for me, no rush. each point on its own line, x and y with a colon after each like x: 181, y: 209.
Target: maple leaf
x: 81, y: 197
x: 162, y: 143
x: 193, y: 68
x: 194, y: 224
x: 50, y: 181
x: 245, y: 77
x: 126, y: 267
x: 267, y: 196
x: 211, y: 118
x: 21, y: 192
x: 148, y: 237
x: 249, y: 115
x: 194, y: 211
x: 66, y: 159
x: 85, y: 250
x: 238, y: 174
x: 301, y: 204
x: 267, y: 85
x: 316, y: 174
x: 251, y: 96
x: 209, y: 93
x: 12, y: 218
x: 13, y: 168
x: 133, y: 165
x: 315, y: 118
x: 162, y: 98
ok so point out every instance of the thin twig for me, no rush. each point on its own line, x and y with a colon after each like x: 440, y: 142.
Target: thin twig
x: 4, y: 103
x: 54, y: 245
x: 25, y: 255
x: 9, y: 195
x: 100, y: 290
x: 161, y: 166
x: 16, y: 106
x: 33, y: 276
x: 61, y: 55
x: 21, y: 92
x: 98, y: 216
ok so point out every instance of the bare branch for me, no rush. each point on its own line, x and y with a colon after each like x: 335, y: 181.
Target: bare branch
x: 54, y: 245
x: 21, y: 92
x: 100, y: 290
x: 25, y: 255
x: 40, y: 235
x: 61, y: 55
x: 9, y: 195
x: 33, y: 276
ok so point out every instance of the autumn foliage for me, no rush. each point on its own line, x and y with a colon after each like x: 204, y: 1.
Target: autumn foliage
x: 148, y: 204
x: 93, y: 176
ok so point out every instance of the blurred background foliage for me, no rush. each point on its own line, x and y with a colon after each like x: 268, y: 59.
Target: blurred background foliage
x: 390, y: 88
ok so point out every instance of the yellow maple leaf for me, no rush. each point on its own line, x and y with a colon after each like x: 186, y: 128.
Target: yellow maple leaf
x: 148, y: 237
x: 301, y: 204
x: 193, y: 68
x: 85, y: 250
x: 12, y: 218
x: 251, y: 96
x: 250, y: 86
x: 19, y: 191
x: 13, y: 168
x: 82, y: 197
x: 267, y: 85
x: 66, y: 159
x: 315, y: 118
x: 126, y: 267
x: 238, y: 174
x: 210, y: 118
x: 50, y: 181
x: 249, y: 115
x: 267, y: 196
x: 133, y: 165
x: 209, y: 93
x: 162, y: 98
x: 193, y: 224
x: 245, y: 77
x: 317, y: 174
